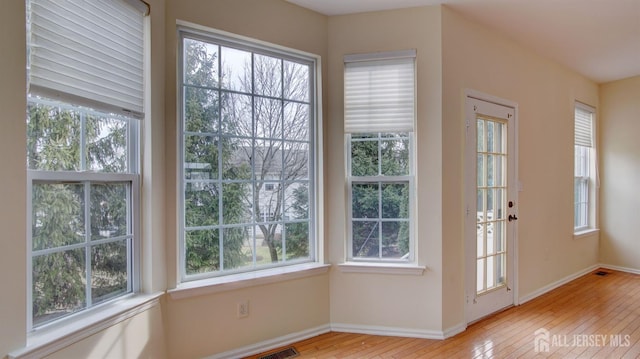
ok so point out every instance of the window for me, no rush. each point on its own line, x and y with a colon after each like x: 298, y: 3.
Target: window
x: 84, y: 104
x: 584, y: 168
x: 248, y: 147
x: 379, y: 121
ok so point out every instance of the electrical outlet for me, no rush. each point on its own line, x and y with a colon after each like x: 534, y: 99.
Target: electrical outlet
x: 243, y: 309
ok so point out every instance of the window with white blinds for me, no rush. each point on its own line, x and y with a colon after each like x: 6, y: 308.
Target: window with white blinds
x: 88, y: 52
x: 584, y: 168
x: 379, y: 92
x: 379, y: 116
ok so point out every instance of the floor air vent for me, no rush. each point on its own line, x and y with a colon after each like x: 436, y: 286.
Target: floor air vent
x: 601, y: 273
x: 283, y: 354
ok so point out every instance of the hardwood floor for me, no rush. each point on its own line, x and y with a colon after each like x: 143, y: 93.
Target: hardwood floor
x: 584, y: 318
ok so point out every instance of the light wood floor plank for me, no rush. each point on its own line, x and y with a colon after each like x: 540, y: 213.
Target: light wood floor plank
x: 590, y: 305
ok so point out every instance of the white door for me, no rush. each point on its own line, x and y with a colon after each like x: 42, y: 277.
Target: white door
x: 491, y: 207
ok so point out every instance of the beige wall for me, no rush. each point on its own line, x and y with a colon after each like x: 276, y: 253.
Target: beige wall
x: 13, y: 177
x: 141, y: 336
x: 620, y: 173
x: 477, y: 58
x: 384, y: 300
x: 207, y: 324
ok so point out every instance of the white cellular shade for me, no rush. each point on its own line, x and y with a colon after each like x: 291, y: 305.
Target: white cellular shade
x: 583, y: 127
x: 88, y: 52
x: 379, y: 95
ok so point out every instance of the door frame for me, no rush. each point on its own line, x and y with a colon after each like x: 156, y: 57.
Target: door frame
x: 469, y: 179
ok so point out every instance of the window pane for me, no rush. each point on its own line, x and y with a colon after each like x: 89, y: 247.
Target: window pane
x: 267, y: 72
x: 237, y: 200
x: 200, y: 63
x: 200, y: 157
x: 202, y: 251
x: 366, y: 242
x: 236, y: 158
x: 480, y: 167
x: 106, y: 141
x: 395, y: 157
x: 297, y: 240
x: 270, y: 202
x: 364, y: 158
x: 53, y: 138
x: 395, y: 200
x: 268, y: 159
x: 268, y: 114
x: 480, y: 137
x: 238, y: 247
x: 200, y: 110
x: 365, y: 200
x: 58, y: 285
x: 270, y: 234
x: 296, y: 201
x: 58, y: 215
x: 395, y: 239
x: 201, y: 201
x: 236, y: 70
x: 296, y: 121
x: 109, y: 210
x: 296, y: 81
x: 236, y: 115
x: 296, y: 161
x: 108, y: 270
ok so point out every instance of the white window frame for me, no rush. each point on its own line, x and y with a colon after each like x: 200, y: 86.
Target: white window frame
x: 353, y: 126
x: 222, y: 38
x: 585, y: 182
x: 380, y: 181
x: 86, y: 178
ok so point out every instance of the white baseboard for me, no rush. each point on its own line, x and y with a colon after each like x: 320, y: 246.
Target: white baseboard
x: 387, y: 331
x: 455, y: 330
x: 556, y: 284
x: 272, y: 343
x: 620, y: 269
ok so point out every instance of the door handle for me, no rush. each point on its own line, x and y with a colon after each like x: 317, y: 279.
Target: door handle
x: 512, y: 218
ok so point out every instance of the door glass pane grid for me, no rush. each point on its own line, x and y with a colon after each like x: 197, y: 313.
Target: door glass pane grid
x: 491, y: 204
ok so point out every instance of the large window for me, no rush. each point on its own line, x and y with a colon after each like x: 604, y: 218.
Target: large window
x: 379, y: 122
x: 584, y: 169
x: 248, y: 147
x: 82, y: 154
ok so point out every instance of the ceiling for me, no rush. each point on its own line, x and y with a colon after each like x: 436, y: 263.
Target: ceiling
x: 598, y: 38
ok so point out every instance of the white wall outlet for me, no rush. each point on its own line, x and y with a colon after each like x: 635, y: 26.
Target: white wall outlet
x: 243, y: 309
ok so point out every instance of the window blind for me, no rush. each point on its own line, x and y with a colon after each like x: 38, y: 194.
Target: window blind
x: 583, y: 126
x: 88, y: 52
x: 379, y: 92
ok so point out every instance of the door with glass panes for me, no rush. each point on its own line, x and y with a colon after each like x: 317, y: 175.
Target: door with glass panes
x: 490, y: 216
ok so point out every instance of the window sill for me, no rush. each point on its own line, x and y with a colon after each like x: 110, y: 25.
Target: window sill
x: 382, y: 268
x: 586, y: 233
x: 244, y: 280
x: 51, y: 338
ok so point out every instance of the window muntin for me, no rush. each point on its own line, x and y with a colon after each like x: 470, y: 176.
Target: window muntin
x: 247, y: 157
x: 82, y: 154
x: 583, y: 163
